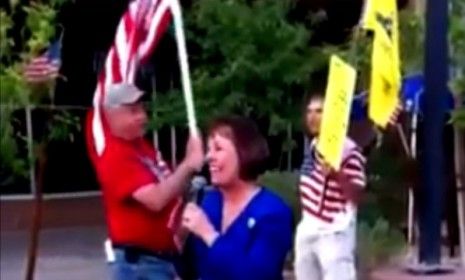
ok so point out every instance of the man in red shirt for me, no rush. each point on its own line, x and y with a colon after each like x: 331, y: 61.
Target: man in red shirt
x: 141, y: 195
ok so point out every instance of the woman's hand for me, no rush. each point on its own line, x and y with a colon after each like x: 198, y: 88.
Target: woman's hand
x: 195, y: 220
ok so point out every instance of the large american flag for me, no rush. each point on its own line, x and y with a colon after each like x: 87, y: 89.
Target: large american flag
x: 137, y: 34
x: 45, y: 67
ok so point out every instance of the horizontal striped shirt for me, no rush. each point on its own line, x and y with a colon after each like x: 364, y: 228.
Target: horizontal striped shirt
x: 322, y: 195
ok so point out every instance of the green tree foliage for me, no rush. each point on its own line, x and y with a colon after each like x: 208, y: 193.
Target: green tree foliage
x: 38, y: 31
x: 412, y: 28
x: 15, y: 93
x: 245, y: 58
x: 457, y: 40
x: 412, y: 42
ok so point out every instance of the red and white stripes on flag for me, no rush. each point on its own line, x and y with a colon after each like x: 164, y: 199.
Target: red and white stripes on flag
x: 41, y: 69
x: 137, y: 34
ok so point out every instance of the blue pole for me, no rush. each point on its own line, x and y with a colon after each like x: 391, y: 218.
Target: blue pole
x: 432, y: 162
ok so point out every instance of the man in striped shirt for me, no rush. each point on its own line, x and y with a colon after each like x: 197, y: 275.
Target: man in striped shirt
x: 325, y: 239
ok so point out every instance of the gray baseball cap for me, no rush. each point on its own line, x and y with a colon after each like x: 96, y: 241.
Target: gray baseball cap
x: 121, y: 94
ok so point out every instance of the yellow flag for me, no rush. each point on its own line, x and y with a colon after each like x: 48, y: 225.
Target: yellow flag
x: 368, y: 15
x: 385, y: 84
x: 382, y: 18
x: 336, y: 111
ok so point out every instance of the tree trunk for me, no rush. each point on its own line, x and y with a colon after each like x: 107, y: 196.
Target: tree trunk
x: 41, y: 154
x: 289, y: 152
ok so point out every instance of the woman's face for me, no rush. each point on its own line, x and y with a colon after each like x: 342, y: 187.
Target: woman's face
x: 223, y: 160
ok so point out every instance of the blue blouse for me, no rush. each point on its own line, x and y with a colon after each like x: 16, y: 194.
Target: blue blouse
x: 254, y: 246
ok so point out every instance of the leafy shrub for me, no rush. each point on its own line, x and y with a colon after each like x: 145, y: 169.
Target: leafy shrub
x: 283, y: 184
x: 377, y: 245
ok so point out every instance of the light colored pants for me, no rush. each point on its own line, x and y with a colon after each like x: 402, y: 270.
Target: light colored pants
x: 329, y: 256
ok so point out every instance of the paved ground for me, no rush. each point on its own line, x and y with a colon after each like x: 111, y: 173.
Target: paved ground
x: 75, y: 253
x: 64, y: 254
x: 71, y: 243
x: 396, y: 273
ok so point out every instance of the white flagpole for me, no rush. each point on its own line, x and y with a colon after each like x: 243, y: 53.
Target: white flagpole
x: 184, y: 64
x: 30, y: 150
x: 411, y: 197
x: 154, y: 97
x: 173, y: 146
x: 411, y: 154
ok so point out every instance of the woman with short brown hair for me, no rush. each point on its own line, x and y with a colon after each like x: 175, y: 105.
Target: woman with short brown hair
x: 241, y: 230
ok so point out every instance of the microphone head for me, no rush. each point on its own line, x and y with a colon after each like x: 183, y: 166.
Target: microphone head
x: 198, y: 182
x: 197, y: 185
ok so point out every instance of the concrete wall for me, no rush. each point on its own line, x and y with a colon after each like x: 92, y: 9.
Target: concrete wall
x: 69, y: 212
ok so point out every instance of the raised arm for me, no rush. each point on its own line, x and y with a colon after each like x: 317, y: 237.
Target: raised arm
x: 352, y: 175
x: 156, y: 196
x: 139, y: 184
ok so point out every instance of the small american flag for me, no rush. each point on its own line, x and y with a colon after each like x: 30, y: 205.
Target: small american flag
x: 137, y: 34
x: 308, y: 161
x: 46, y: 67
